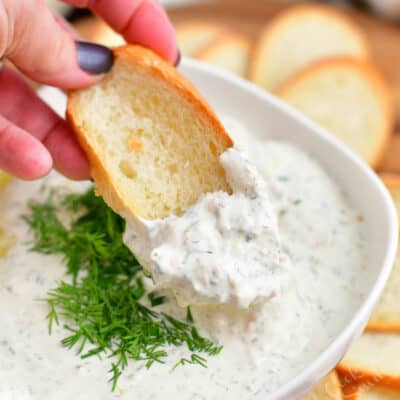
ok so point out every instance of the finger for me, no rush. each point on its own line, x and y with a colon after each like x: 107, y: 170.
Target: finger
x: 66, y: 26
x: 21, y: 154
x: 140, y: 21
x: 68, y: 157
x: 43, y: 123
x: 32, y: 39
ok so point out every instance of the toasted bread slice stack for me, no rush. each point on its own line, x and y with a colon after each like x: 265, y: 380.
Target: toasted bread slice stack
x: 152, y: 141
x: 386, y: 316
x: 329, y: 388
x: 300, y: 36
x: 350, y: 99
x: 193, y: 36
x: 373, y: 358
x: 230, y: 51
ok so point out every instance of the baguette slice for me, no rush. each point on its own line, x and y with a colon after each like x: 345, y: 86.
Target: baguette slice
x: 373, y: 358
x: 350, y: 99
x: 152, y: 141
x: 299, y: 36
x: 230, y: 51
x: 329, y: 388
x: 386, y: 316
x: 193, y: 36
x: 370, y: 392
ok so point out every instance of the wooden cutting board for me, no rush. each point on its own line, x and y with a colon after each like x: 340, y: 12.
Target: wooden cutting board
x: 249, y: 17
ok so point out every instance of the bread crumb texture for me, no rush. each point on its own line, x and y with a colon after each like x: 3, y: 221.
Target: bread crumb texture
x: 153, y: 142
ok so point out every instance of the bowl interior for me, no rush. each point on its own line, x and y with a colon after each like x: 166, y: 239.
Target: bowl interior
x: 268, y: 117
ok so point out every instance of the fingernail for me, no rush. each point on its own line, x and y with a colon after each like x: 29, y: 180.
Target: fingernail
x: 178, y: 59
x: 94, y: 58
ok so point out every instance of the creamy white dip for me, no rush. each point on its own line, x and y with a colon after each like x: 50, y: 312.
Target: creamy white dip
x: 223, y: 249
x: 264, y: 346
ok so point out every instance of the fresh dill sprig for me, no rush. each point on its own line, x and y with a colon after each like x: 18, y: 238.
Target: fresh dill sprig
x: 102, y: 303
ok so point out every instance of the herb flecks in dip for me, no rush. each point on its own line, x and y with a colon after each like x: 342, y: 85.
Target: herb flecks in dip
x: 223, y: 249
x: 264, y: 346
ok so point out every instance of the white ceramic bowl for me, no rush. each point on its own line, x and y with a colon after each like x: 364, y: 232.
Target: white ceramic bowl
x: 264, y: 115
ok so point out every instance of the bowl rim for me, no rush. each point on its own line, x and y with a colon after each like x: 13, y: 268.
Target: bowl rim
x: 318, y: 367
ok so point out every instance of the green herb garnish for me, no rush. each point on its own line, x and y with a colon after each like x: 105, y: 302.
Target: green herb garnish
x: 102, y: 303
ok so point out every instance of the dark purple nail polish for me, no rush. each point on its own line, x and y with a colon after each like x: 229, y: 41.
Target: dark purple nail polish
x: 94, y: 58
x: 178, y: 59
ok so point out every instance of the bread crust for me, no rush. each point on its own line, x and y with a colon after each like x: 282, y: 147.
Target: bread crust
x: 351, y: 391
x: 160, y: 69
x: 374, y: 77
x: 267, y: 35
x: 391, y: 181
x: 353, y: 374
x: 391, y: 160
x: 356, y: 391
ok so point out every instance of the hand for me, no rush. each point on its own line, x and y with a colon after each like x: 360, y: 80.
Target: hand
x: 42, y: 46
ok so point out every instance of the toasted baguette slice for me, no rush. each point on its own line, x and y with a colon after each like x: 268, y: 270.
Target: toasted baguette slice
x: 193, y: 36
x: 299, y: 36
x: 370, y: 392
x: 350, y: 99
x: 152, y: 141
x: 386, y: 316
x: 230, y: 51
x: 391, y: 158
x: 328, y: 388
x: 374, y: 357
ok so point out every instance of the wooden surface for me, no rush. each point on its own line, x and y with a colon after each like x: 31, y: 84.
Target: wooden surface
x: 249, y: 17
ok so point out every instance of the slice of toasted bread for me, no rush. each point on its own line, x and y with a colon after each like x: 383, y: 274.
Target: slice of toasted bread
x: 386, y: 316
x: 373, y: 358
x: 391, y: 158
x: 328, y: 388
x: 370, y: 392
x: 350, y: 99
x: 152, y: 141
x: 194, y: 35
x: 299, y: 36
x: 230, y: 51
